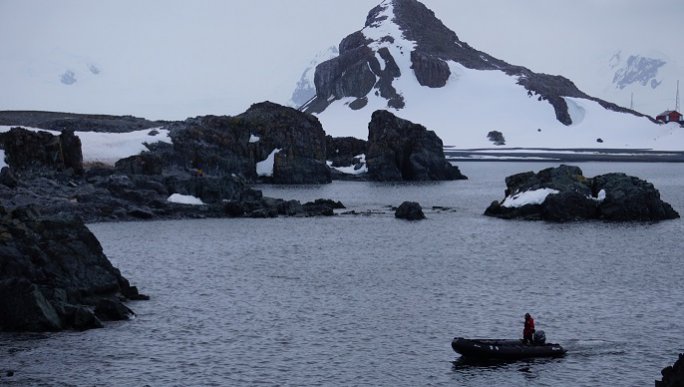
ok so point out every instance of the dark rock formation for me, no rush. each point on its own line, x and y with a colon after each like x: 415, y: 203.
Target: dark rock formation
x: 53, y: 273
x: 77, y: 122
x: 29, y: 151
x: 234, y: 145
x: 630, y: 198
x: 401, y: 150
x: 7, y: 178
x: 409, y: 211
x: 357, y: 71
x: 146, y: 163
x: 673, y: 376
x: 563, y: 194
x: 342, y: 150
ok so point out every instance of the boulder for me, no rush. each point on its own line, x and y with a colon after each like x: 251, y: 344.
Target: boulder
x: 50, y: 268
x: 563, y: 194
x: 401, y: 150
x: 409, y: 211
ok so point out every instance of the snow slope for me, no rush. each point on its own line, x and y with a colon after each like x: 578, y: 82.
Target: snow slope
x: 646, y: 80
x: 475, y: 102
x: 108, y: 148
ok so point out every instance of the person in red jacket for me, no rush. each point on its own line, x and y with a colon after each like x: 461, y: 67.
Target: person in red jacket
x: 529, y: 329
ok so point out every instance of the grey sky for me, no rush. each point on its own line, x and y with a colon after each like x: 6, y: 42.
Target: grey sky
x: 173, y: 59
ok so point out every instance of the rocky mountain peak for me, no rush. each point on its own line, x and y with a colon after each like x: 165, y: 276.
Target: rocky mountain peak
x: 402, y: 42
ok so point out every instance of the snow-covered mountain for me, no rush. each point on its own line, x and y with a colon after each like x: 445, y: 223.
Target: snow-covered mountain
x: 645, y: 82
x: 407, y: 61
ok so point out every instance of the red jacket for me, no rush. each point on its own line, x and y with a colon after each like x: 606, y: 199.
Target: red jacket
x: 529, y: 327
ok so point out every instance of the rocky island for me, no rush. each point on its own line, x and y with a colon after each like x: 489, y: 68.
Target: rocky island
x: 564, y: 194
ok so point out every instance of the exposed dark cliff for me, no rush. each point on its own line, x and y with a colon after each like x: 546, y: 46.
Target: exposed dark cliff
x: 401, y: 150
x: 54, y: 275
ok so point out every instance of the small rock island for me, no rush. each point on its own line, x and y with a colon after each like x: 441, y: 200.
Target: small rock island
x: 564, y: 194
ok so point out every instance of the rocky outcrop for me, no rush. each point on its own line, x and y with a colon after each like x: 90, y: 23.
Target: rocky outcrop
x: 673, y: 376
x: 563, y: 194
x: 342, y: 150
x: 234, y: 145
x: 54, y: 275
x: 401, y: 150
x: 355, y: 73
x: 409, y: 211
x: 107, y: 194
x: 28, y: 151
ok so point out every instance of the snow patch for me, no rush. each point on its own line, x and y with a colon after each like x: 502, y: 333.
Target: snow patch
x: 253, y: 139
x: 2, y: 159
x: 356, y: 169
x: 185, y: 199
x: 528, y: 197
x: 600, y: 197
x: 265, y: 167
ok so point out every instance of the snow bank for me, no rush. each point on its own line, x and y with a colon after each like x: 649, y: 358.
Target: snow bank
x: 528, y: 197
x: 265, y: 167
x: 108, y: 148
x: 185, y: 199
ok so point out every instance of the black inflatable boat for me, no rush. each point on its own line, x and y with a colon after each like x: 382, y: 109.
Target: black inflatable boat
x: 505, y: 349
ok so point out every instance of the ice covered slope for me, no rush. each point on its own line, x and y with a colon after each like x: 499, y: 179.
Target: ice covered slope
x: 646, y: 80
x: 405, y: 60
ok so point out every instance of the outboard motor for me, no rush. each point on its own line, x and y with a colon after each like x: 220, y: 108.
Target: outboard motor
x: 539, y: 338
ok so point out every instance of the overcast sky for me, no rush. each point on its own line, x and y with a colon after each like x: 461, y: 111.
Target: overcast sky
x: 173, y: 59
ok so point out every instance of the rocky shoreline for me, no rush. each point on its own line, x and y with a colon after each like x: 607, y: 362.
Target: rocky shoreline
x: 55, y: 273
x: 58, y: 277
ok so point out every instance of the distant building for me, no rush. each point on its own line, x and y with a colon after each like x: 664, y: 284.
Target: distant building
x: 670, y: 116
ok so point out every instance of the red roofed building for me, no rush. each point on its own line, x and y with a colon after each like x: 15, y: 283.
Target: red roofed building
x: 670, y: 116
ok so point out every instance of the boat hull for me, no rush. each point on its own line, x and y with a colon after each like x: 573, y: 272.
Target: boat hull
x: 504, y: 349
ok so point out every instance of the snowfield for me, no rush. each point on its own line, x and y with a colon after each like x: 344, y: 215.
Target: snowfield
x: 475, y: 102
x: 108, y: 148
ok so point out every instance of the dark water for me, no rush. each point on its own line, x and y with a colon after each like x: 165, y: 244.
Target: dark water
x: 371, y: 300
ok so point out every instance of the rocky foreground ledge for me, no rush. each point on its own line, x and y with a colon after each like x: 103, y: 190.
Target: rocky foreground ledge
x: 673, y: 376
x: 563, y: 194
x: 54, y: 275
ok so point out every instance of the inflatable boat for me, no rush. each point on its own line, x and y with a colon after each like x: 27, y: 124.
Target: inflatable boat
x: 504, y: 349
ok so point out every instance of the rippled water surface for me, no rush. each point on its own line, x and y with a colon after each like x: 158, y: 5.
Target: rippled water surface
x: 371, y: 300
